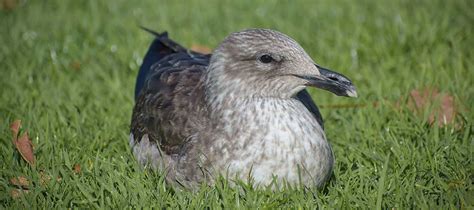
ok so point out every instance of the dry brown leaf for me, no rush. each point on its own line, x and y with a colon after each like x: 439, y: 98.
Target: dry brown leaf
x: 9, y: 4
x: 23, y: 143
x: 16, y: 193
x: 77, y: 168
x: 20, y: 181
x: 201, y: 49
x: 76, y: 65
x: 443, y: 109
x: 25, y: 147
x: 15, y: 127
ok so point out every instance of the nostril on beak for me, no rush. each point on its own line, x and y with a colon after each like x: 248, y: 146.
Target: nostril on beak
x: 333, y: 79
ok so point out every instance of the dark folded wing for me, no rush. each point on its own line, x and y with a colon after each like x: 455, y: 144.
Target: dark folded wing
x: 308, y: 102
x: 169, y: 104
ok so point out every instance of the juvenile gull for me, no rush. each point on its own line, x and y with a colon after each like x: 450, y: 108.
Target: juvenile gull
x: 242, y: 112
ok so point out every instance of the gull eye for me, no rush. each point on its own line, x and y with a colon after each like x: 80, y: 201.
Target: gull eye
x: 265, y: 58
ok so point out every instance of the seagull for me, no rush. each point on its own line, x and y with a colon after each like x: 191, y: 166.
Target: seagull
x: 242, y: 112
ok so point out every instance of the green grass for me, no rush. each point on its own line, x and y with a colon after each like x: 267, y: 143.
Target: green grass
x: 67, y: 70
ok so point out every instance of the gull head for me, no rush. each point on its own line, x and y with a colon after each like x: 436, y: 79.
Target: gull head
x: 267, y: 63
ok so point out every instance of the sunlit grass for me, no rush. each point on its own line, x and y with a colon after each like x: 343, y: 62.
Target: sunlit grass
x: 67, y: 70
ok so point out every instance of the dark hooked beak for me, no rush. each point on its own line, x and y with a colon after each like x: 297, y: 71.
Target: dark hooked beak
x: 333, y: 82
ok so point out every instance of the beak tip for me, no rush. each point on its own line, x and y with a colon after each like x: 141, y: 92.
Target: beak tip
x: 352, y: 93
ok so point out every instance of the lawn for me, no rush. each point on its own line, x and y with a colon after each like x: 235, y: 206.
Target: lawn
x: 67, y: 71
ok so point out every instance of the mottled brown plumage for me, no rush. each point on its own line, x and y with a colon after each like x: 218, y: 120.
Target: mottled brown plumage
x: 230, y: 113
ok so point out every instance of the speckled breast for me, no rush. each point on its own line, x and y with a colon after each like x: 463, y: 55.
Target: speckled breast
x: 272, y: 138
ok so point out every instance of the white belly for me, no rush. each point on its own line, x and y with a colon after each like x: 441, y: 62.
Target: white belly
x: 281, y: 142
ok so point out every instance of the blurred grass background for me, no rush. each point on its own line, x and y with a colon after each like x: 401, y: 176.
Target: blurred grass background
x: 67, y: 70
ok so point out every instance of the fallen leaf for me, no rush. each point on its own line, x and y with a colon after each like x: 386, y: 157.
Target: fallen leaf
x: 77, y: 168
x: 441, y: 105
x: 23, y: 143
x: 15, y: 127
x: 201, y: 49
x: 20, y: 181
x: 25, y: 147
x: 9, y: 4
x: 76, y: 65
x: 16, y: 193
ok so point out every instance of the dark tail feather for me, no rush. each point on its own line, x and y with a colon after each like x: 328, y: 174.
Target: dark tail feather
x: 159, y: 48
x: 165, y: 41
x: 154, y: 32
